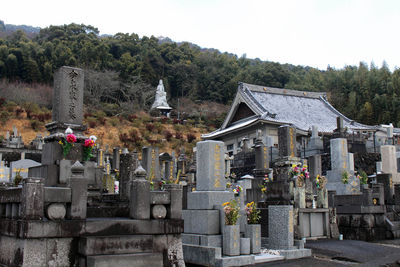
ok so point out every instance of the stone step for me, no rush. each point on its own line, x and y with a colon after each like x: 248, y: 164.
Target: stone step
x: 139, y: 260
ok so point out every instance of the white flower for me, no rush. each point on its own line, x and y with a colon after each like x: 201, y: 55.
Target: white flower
x: 69, y: 131
x: 93, y: 138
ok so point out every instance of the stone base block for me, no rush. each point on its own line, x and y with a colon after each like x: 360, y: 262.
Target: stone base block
x: 205, y: 222
x: 205, y: 200
x: 244, y: 246
x: 191, y: 239
x: 98, y: 245
x: 140, y: 259
x: 211, y: 256
x: 211, y: 240
x: 295, y: 253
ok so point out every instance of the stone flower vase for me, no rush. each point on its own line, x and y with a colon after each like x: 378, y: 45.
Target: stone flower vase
x: 253, y: 231
x: 231, y: 240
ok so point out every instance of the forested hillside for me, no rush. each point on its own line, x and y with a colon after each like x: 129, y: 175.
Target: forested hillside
x: 123, y: 71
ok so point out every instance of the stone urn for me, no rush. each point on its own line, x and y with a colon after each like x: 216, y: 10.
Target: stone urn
x: 231, y: 240
x: 253, y: 231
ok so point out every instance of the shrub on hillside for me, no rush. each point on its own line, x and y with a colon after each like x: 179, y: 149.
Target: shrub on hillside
x: 150, y: 127
x: 36, y: 125
x: 4, y: 116
x: 190, y: 137
x: 178, y: 135
x: 167, y: 135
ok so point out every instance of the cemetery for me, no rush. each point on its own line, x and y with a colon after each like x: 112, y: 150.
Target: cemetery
x: 255, y: 191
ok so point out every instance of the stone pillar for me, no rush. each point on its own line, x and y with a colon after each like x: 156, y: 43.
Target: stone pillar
x: 78, y: 184
x: 174, y: 210
x: 32, y: 199
x: 287, y: 141
x: 100, y: 157
x: 261, y: 155
x: 280, y: 226
x: 397, y: 194
x: 139, y: 204
x: 129, y: 163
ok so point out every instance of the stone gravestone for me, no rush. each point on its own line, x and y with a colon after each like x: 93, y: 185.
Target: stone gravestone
x: 67, y: 101
x: 129, y: 163
x: 287, y: 141
x: 116, y: 158
x: 4, y: 172
x: 389, y: 162
x: 22, y: 166
x: 67, y: 112
x: 340, y: 165
x: 150, y: 162
x: 315, y: 144
x: 280, y: 225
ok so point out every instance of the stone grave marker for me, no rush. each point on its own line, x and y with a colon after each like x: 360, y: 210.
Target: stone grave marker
x: 287, y: 141
x: 340, y: 164
x: 389, y: 162
x: 280, y: 227
x: 22, y: 166
x: 150, y: 162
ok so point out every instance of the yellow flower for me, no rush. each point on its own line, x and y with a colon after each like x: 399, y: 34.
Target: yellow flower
x: 263, y: 189
x: 60, y: 142
x: 226, y: 203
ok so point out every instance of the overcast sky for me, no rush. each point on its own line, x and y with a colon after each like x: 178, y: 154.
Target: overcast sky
x: 303, y: 32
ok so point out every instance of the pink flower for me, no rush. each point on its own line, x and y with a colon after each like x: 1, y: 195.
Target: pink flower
x: 89, y: 143
x: 71, y: 138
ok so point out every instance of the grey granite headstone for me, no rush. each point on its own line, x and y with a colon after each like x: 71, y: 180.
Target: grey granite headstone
x: 287, y: 141
x: 116, y: 158
x: 340, y: 163
x: 22, y: 166
x: 280, y: 227
x: 389, y: 162
x: 150, y: 162
x: 210, y: 166
x: 68, y: 96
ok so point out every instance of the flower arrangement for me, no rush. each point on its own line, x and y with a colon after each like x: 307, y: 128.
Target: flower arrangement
x: 237, y: 189
x: 345, y: 177
x: 228, y: 185
x: 318, y: 181
x: 263, y: 186
x: 88, y: 147
x: 231, y: 210
x: 67, y: 142
x: 363, y: 177
x: 253, y: 215
x: 298, y: 170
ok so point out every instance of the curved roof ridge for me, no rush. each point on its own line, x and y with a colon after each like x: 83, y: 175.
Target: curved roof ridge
x: 283, y: 91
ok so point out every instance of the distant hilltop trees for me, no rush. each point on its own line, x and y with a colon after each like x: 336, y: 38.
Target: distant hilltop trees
x: 124, y: 69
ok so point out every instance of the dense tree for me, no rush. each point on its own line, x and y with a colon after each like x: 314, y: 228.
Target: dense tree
x: 124, y: 70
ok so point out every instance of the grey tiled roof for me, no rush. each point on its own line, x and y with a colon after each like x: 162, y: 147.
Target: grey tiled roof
x: 301, y: 109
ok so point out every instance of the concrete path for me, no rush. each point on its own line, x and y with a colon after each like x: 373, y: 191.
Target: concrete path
x: 327, y: 253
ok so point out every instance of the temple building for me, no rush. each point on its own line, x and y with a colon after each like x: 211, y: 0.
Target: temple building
x: 265, y: 108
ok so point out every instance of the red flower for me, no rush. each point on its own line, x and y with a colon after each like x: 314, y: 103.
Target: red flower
x: 71, y: 138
